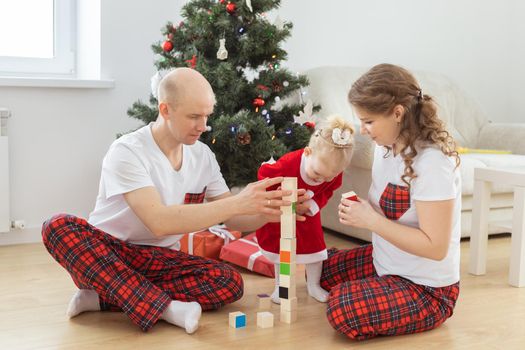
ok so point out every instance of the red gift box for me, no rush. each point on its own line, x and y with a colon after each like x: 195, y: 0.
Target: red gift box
x: 245, y: 252
x: 208, y: 243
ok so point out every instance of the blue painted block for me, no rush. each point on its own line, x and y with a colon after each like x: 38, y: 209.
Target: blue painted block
x: 237, y: 319
x: 240, y: 321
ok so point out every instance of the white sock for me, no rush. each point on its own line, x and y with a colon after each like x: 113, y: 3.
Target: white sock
x: 313, y: 284
x: 83, y: 300
x: 275, y: 294
x: 183, y: 314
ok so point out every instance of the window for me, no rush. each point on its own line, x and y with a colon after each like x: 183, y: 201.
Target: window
x: 37, y: 37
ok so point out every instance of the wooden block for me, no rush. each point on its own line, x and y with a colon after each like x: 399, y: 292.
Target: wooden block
x: 264, y: 319
x: 287, y: 257
x: 288, y: 244
x: 289, y: 304
x: 287, y: 210
x: 290, y: 183
x: 288, y: 226
x: 288, y: 316
x: 237, y: 319
x: 287, y: 292
x: 350, y: 195
x: 265, y: 302
x: 284, y: 256
x: 287, y: 269
x: 284, y: 280
x: 287, y: 281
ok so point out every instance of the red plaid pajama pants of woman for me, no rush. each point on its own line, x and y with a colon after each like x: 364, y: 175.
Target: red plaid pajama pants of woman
x: 362, y: 305
x: 139, y: 280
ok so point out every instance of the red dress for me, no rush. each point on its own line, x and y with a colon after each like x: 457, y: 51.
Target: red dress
x: 310, y: 238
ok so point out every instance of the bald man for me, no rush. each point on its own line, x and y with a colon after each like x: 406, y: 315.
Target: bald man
x: 158, y: 183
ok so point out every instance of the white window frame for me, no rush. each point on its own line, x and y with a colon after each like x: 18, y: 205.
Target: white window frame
x: 63, y: 63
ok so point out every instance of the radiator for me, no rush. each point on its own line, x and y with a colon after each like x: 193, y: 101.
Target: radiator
x: 5, y: 221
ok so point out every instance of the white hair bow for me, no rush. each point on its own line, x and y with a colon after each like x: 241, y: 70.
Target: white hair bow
x: 341, y: 137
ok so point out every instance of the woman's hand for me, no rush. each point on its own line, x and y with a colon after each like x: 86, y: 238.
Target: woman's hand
x: 358, y: 214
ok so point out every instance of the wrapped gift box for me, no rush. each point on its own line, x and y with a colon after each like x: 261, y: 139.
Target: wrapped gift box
x: 208, y: 243
x: 245, y: 252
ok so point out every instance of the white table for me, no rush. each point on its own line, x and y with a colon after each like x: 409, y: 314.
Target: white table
x: 483, y: 177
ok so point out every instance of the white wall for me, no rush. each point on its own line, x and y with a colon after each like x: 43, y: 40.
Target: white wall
x: 477, y: 43
x: 58, y: 137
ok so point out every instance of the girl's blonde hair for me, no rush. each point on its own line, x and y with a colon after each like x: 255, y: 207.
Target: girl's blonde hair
x: 384, y: 87
x: 334, y: 139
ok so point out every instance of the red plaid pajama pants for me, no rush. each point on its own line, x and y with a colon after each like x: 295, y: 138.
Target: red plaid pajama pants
x: 139, y: 280
x: 362, y: 305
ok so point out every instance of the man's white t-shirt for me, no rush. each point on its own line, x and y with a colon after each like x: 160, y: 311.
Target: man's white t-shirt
x: 135, y: 161
x: 437, y: 179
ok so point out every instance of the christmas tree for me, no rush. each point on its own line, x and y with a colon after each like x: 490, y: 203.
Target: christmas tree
x: 234, y: 45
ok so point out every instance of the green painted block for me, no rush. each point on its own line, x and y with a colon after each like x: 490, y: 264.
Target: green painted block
x: 284, y: 269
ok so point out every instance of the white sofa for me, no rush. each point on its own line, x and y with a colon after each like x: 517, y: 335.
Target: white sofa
x: 470, y: 127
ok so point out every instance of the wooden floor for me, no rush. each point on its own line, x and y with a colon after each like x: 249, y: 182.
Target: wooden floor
x: 34, y: 293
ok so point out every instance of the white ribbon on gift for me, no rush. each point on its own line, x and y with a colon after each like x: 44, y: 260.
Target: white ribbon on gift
x: 217, y: 230
x: 254, y: 256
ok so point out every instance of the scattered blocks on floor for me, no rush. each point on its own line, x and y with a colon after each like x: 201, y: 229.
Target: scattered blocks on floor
x: 264, y: 319
x: 265, y: 302
x: 237, y: 319
x: 288, y: 316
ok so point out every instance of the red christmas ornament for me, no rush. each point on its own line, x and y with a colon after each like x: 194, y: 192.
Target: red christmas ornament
x: 258, y: 102
x: 309, y: 125
x: 230, y: 8
x: 193, y: 62
x: 222, y: 1
x: 167, y: 46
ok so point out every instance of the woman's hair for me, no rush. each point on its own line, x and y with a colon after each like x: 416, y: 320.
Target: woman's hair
x: 384, y: 87
x: 334, y: 139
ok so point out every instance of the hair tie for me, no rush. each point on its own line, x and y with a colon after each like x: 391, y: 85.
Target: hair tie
x: 419, y: 95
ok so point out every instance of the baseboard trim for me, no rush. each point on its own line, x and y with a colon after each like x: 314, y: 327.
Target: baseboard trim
x: 27, y: 235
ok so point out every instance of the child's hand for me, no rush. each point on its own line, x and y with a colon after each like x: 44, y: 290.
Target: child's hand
x: 357, y: 214
x: 302, y: 207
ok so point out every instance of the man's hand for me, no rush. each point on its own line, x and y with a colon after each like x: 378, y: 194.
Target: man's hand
x: 254, y: 199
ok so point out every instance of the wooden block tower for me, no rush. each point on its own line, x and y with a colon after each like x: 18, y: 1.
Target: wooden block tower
x: 287, y: 254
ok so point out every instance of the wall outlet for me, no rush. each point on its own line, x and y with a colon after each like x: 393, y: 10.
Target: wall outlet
x: 18, y: 224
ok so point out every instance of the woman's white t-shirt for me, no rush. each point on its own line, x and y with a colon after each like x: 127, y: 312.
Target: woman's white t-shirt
x: 135, y: 161
x: 437, y: 179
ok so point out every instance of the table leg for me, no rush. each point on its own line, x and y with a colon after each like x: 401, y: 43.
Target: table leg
x: 479, y: 230
x: 517, y: 260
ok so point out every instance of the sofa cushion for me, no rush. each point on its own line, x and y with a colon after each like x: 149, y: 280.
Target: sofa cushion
x: 473, y: 160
